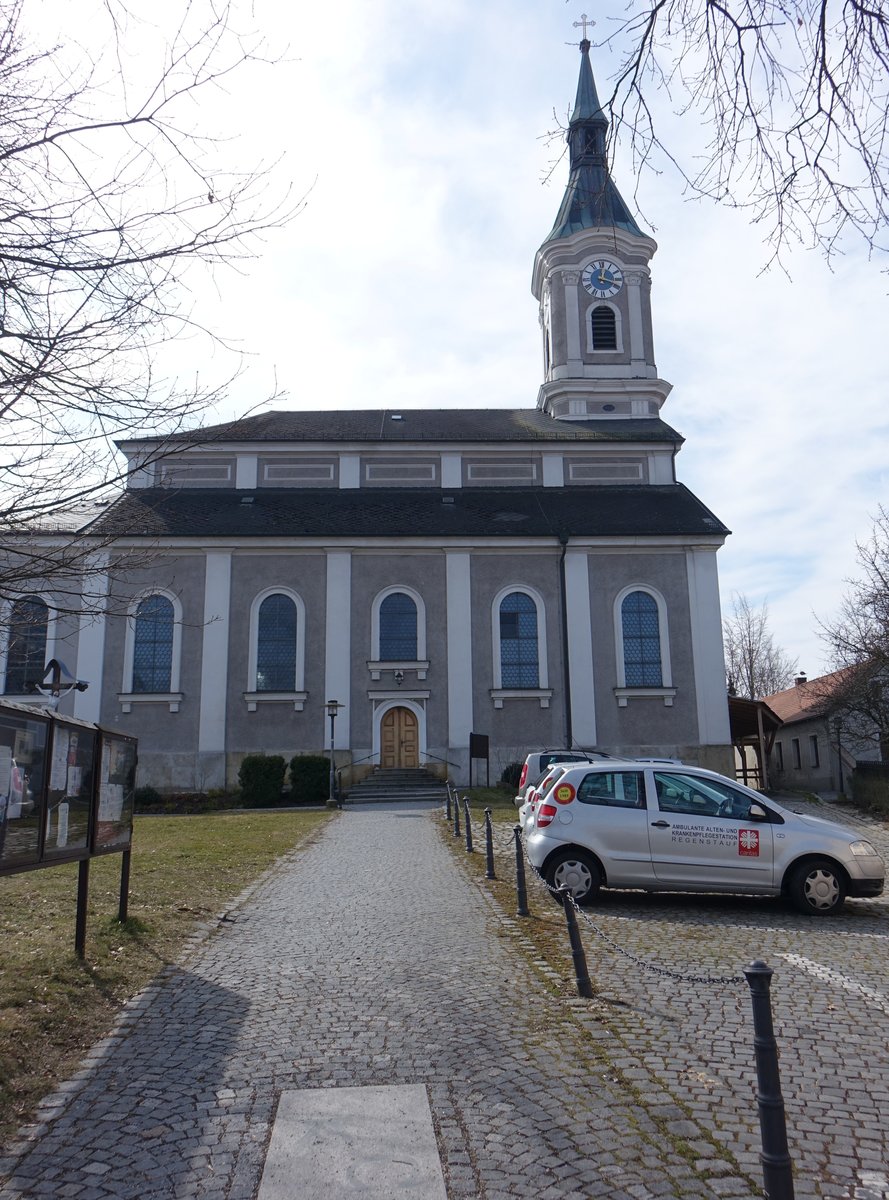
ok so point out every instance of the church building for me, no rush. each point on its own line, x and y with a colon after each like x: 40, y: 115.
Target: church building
x: 535, y: 575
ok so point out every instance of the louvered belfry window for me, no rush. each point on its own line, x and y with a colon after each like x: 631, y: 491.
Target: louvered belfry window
x: 642, y: 641
x: 276, y: 645
x: 153, y: 645
x: 518, y: 642
x: 604, y: 327
x: 398, y: 628
x: 26, y: 659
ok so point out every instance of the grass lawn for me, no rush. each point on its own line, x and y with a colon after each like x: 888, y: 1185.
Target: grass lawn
x: 52, y: 1005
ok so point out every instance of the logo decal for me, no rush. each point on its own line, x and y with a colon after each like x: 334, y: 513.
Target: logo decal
x: 748, y: 842
x: 564, y: 793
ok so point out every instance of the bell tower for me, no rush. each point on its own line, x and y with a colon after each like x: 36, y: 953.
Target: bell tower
x: 592, y: 281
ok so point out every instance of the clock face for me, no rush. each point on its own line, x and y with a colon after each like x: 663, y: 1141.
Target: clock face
x: 602, y: 279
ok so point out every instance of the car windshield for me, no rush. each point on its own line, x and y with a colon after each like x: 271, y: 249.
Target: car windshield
x: 557, y: 756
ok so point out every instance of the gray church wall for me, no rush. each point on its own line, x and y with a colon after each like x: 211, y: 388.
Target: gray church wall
x: 423, y: 573
x: 516, y: 469
x: 521, y: 724
x: 64, y: 649
x: 400, y: 470
x: 197, y: 470
x: 646, y: 724
x: 304, y: 470
x: 276, y: 727
x: 167, y: 740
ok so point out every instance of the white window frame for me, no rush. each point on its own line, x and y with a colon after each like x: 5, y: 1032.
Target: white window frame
x: 298, y: 695
x: 49, y: 652
x: 622, y: 692
x: 618, y: 328
x: 543, y: 692
x: 376, y: 664
x: 127, y: 696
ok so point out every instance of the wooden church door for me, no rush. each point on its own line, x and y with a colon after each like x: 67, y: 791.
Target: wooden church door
x: 399, y: 739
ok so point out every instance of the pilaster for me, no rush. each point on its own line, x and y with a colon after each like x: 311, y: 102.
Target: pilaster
x: 459, y: 647
x: 707, y: 648
x: 581, y: 667
x: 90, y: 661
x: 338, y: 648
x: 214, y: 652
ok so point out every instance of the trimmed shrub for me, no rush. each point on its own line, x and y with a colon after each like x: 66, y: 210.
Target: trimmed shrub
x: 512, y: 773
x: 309, y: 778
x: 261, y: 779
x: 147, y: 797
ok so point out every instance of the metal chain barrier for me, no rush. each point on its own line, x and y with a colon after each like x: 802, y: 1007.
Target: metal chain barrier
x: 514, y: 839
x: 666, y: 972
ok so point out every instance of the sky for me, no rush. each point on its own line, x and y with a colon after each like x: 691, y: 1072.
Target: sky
x: 417, y: 133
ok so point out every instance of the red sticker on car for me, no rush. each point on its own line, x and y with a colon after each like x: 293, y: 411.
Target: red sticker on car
x: 748, y: 842
x: 564, y: 793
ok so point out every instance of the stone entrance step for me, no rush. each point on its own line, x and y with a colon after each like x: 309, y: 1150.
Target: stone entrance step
x: 400, y: 784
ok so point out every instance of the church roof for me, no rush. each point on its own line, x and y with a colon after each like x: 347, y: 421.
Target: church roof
x: 424, y: 425
x: 325, y: 513
x: 591, y: 200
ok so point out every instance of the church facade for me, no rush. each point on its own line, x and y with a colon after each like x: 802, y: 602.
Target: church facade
x: 535, y: 575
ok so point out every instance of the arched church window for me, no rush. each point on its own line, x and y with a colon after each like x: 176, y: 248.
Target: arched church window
x: 604, y: 327
x: 398, y: 628
x: 519, y: 661
x: 640, y: 622
x: 153, y: 645
x: 276, y: 641
x: 26, y: 649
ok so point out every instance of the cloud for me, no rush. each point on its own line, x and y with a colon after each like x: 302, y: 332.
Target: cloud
x: 406, y: 280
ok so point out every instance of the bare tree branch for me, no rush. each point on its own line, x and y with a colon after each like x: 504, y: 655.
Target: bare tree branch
x: 794, y: 99
x: 754, y: 665
x: 109, y: 198
x: 858, y: 640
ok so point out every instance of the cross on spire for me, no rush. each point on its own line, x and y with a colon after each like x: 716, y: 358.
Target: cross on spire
x: 582, y: 23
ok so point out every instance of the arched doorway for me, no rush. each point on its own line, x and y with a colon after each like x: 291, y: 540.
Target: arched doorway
x: 399, y: 738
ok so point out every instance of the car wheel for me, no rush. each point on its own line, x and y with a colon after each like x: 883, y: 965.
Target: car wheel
x: 577, y: 871
x: 817, y: 888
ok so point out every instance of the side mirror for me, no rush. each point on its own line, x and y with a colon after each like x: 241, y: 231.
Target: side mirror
x: 757, y: 813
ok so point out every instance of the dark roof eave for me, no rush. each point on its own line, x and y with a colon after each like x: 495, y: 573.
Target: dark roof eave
x: 667, y: 510
x: 420, y: 426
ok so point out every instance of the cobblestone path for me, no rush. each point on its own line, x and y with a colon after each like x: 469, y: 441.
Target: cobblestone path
x: 691, y: 1042
x: 366, y: 958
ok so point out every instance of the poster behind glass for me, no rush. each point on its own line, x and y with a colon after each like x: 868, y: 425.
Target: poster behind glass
x: 69, y: 797
x: 22, y: 768
x: 117, y: 781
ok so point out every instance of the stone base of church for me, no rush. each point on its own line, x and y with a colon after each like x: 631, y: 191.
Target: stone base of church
x: 203, y: 772
x: 714, y: 758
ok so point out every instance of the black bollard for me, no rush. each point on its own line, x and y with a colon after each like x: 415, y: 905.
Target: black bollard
x: 448, y: 802
x: 468, y: 825
x: 578, y: 957
x: 456, y: 817
x: 489, y: 846
x: 777, y: 1170
x: 521, y: 890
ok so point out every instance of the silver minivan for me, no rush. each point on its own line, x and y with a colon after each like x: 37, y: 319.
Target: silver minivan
x: 686, y: 829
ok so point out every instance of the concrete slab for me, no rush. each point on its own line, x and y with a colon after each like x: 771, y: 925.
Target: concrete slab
x: 372, y: 1142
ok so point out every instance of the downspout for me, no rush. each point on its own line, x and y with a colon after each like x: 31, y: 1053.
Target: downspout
x: 566, y: 669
